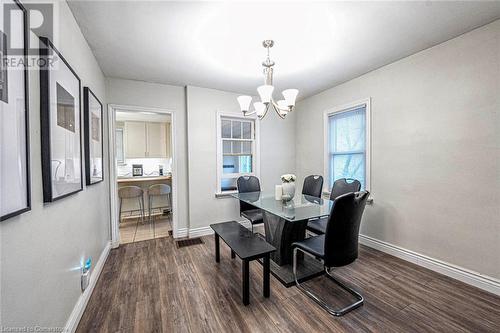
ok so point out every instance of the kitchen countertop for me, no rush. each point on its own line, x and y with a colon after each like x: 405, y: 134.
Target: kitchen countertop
x: 130, y: 179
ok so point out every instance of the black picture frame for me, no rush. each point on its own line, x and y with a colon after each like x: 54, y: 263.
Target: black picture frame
x: 48, y: 55
x: 26, y: 126
x: 90, y: 176
x: 4, y: 78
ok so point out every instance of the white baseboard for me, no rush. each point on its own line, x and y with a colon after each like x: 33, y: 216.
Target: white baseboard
x: 203, y: 231
x: 181, y: 233
x: 481, y: 281
x: 81, y: 304
x: 198, y: 232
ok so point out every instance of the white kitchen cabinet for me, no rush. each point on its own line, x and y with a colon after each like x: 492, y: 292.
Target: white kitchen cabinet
x: 135, y: 139
x: 144, y: 139
x: 157, y: 140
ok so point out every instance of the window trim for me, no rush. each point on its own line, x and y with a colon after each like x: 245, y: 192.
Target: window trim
x: 256, y: 159
x: 326, y: 151
x: 122, y: 161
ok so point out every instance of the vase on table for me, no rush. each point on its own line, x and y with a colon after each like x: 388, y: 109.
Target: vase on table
x: 288, y: 186
x: 288, y: 189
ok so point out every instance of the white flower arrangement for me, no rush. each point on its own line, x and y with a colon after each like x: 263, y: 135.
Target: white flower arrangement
x: 288, y: 178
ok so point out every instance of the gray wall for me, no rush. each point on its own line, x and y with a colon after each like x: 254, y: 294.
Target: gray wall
x: 138, y: 93
x: 41, y: 251
x: 277, y: 154
x: 435, y: 149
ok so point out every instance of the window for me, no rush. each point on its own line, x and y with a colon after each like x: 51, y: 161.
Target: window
x: 120, y: 151
x: 236, y: 154
x: 347, y: 144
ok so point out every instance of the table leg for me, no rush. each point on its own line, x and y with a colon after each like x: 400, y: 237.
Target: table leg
x: 217, y: 250
x: 233, y: 255
x: 246, y: 281
x: 266, y: 277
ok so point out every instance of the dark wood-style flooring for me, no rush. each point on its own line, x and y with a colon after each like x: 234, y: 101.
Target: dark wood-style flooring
x: 153, y: 286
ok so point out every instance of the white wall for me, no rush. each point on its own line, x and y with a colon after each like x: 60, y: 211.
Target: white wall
x: 138, y: 93
x: 435, y: 149
x: 41, y: 251
x: 277, y: 154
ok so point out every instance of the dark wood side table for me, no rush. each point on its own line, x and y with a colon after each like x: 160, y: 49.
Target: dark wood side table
x: 247, y: 247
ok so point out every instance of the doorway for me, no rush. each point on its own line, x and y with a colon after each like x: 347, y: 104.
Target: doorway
x: 143, y: 177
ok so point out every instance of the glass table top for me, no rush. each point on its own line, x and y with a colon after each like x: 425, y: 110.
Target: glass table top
x: 302, y: 207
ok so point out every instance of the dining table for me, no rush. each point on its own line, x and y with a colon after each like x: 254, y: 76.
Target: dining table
x: 285, y: 222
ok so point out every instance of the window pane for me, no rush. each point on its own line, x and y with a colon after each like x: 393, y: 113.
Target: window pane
x: 226, y: 147
x: 347, y: 131
x: 228, y: 184
x: 245, y: 163
x: 226, y: 128
x: 348, y: 166
x: 119, y: 145
x: 247, y: 130
x: 236, y: 129
x: 237, y: 164
x: 236, y: 147
x: 246, y: 147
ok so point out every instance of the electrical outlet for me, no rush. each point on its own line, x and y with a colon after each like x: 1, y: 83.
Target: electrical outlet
x: 86, y: 274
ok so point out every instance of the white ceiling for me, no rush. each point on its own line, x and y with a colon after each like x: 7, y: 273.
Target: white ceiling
x: 218, y: 44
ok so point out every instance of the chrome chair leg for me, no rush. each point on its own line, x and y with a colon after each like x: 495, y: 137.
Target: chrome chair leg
x: 317, y: 299
x: 149, y: 208
x: 120, y: 212
x: 141, y: 206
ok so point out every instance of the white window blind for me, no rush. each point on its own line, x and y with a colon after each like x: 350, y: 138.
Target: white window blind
x: 347, y: 145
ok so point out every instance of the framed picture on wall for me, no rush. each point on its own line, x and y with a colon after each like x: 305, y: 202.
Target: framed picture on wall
x: 15, y: 194
x: 60, y: 95
x: 92, y: 110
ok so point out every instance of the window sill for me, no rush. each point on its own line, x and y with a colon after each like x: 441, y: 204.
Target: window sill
x: 222, y: 195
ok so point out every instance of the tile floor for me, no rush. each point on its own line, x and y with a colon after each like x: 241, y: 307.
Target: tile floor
x: 133, y: 230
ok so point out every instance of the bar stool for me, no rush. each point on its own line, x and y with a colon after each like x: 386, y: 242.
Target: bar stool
x: 158, y: 190
x: 131, y: 192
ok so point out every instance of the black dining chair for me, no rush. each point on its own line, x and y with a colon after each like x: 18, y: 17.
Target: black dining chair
x: 337, y: 247
x: 340, y: 187
x: 313, y: 186
x: 249, y: 184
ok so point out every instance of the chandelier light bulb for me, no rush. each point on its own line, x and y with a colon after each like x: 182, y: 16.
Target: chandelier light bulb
x: 290, y: 96
x: 265, y: 93
x: 260, y: 108
x: 244, y: 102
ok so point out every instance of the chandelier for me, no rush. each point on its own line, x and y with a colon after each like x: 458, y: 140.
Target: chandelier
x: 282, y: 107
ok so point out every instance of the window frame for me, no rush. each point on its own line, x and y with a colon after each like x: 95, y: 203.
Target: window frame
x: 326, y: 145
x: 122, y: 161
x: 255, y: 149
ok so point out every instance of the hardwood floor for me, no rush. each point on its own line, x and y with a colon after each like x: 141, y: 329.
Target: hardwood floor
x: 153, y: 286
x: 134, y: 230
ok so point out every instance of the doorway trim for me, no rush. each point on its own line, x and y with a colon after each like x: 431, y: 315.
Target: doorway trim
x: 113, y: 188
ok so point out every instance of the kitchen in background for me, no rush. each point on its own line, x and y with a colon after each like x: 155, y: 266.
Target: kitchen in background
x: 144, y: 174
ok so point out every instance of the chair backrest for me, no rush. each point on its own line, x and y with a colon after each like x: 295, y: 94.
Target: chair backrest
x: 342, y: 229
x: 159, y: 189
x: 313, y: 186
x: 247, y: 184
x: 343, y: 186
x: 128, y: 192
